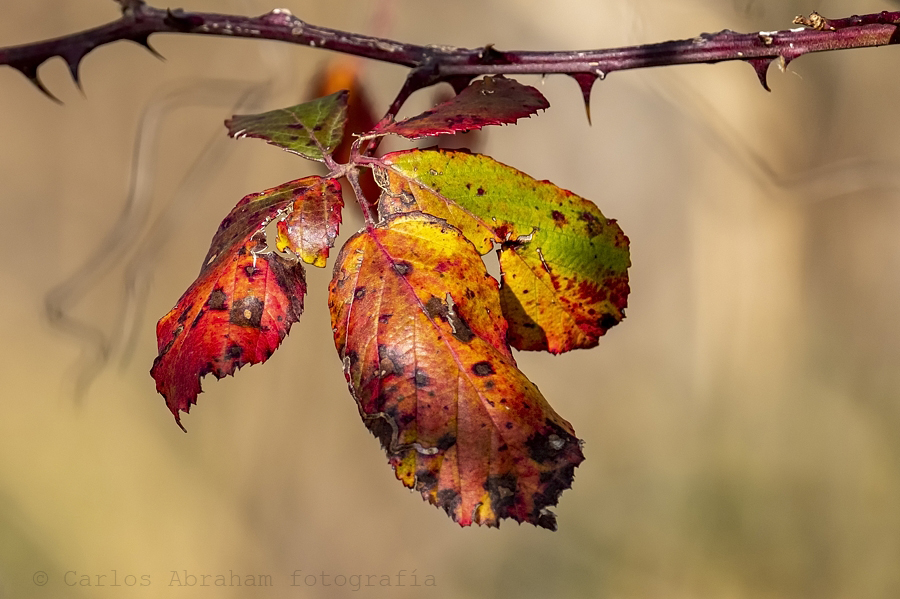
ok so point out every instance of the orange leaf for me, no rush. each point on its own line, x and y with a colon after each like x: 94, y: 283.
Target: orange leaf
x: 418, y: 324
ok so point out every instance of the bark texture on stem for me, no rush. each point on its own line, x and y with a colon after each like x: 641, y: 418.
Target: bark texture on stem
x: 458, y: 66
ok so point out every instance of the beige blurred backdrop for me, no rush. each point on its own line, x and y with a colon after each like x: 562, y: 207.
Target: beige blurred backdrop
x: 740, y: 426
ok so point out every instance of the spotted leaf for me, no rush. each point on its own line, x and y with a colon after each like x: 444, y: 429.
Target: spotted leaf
x: 489, y: 101
x: 246, y: 297
x: 564, y: 265
x: 418, y: 324
x: 311, y: 130
x: 310, y: 228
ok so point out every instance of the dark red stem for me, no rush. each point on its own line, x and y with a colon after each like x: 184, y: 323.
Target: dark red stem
x: 433, y: 64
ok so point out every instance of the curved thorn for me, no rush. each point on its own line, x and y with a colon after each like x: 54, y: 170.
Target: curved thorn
x: 31, y: 74
x: 145, y: 42
x: 73, y: 70
x: 761, y: 66
x: 586, y: 83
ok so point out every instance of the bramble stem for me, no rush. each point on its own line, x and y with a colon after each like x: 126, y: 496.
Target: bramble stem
x: 352, y: 176
x: 433, y: 64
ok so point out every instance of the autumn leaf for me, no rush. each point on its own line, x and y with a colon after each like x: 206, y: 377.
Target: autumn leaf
x: 310, y: 228
x: 418, y: 324
x: 246, y: 297
x: 564, y: 265
x: 311, y: 130
x: 489, y: 101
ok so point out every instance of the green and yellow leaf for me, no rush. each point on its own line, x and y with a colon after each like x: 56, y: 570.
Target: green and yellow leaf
x: 564, y: 265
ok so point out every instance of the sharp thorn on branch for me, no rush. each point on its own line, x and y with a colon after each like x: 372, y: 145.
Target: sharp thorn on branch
x: 586, y: 84
x: 32, y: 75
x: 73, y: 70
x: 761, y: 66
x: 144, y: 40
x: 458, y: 66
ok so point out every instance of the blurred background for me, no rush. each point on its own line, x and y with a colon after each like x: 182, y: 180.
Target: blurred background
x: 740, y: 426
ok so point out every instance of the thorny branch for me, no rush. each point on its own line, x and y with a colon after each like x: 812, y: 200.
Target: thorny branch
x: 458, y: 66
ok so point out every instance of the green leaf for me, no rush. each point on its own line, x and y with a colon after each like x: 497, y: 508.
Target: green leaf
x: 565, y: 265
x: 312, y: 129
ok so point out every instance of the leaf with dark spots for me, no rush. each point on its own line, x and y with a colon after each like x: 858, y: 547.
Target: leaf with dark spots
x: 247, y: 312
x: 436, y: 308
x: 489, y: 101
x: 448, y: 500
x: 545, y: 446
x: 502, y: 492
x: 311, y: 130
x: 483, y: 368
x: 425, y: 480
x: 310, y: 207
x: 564, y: 265
x: 460, y: 329
x: 310, y: 229
x: 446, y: 442
x: 403, y: 267
x: 219, y: 341
x: 243, y: 302
x: 216, y: 300
x: 421, y: 379
x: 441, y: 401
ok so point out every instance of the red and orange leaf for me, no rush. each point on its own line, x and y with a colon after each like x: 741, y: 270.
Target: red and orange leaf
x: 564, y: 265
x: 489, y: 101
x: 418, y: 324
x: 243, y: 302
x: 310, y: 228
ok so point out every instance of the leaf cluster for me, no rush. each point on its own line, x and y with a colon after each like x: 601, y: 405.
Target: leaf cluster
x: 424, y: 333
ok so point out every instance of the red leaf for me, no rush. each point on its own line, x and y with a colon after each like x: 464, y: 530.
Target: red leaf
x: 418, y: 324
x: 489, y: 101
x: 243, y: 302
